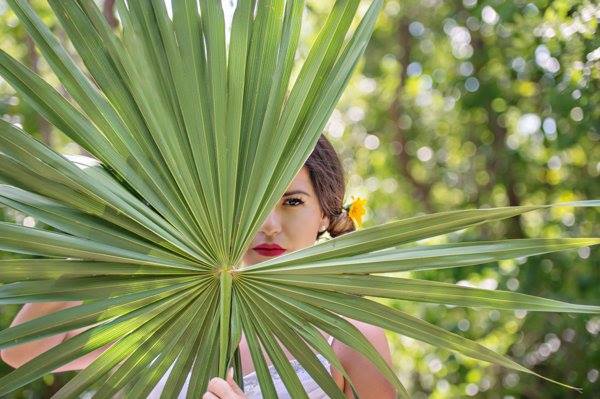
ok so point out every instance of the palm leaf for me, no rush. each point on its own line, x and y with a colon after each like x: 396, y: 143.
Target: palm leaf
x: 194, y: 141
x: 158, y: 313
x: 87, y: 314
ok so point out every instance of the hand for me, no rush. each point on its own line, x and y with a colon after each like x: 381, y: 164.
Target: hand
x: 218, y: 388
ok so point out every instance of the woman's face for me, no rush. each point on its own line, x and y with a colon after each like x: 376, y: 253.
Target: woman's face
x: 292, y: 225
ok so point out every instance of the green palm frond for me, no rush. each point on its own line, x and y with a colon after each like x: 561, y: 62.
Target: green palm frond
x: 196, y: 141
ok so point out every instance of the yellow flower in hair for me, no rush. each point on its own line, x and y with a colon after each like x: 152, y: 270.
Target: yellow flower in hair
x: 357, y: 210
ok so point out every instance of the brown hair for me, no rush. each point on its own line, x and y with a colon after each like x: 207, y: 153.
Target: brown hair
x: 327, y: 177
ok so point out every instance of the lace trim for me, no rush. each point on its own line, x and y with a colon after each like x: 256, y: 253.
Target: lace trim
x: 251, y: 385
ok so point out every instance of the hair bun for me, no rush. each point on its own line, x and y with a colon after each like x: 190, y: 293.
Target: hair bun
x: 341, y: 224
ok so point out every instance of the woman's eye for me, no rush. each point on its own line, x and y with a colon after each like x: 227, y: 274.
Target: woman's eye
x: 294, y: 201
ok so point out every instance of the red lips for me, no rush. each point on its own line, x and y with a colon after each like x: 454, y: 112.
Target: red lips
x: 269, y: 249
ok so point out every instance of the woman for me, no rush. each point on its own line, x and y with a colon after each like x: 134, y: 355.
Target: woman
x: 311, y: 206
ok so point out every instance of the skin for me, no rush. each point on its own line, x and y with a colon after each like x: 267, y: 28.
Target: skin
x: 293, y: 224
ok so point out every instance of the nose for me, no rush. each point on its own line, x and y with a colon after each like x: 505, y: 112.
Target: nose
x: 272, y: 225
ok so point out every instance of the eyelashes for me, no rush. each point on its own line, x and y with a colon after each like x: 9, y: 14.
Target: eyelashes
x: 296, y: 199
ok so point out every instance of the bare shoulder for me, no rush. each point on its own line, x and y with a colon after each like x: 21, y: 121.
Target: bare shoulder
x: 370, y: 331
x: 369, y: 382
x: 375, y: 335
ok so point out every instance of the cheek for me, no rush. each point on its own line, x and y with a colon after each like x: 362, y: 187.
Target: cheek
x: 299, y: 228
x: 302, y: 226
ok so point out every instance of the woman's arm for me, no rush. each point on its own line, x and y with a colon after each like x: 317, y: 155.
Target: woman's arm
x: 367, y: 379
x: 18, y: 355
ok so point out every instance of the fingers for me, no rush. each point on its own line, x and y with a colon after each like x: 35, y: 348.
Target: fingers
x: 218, y: 388
x: 221, y: 389
x: 233, y: 384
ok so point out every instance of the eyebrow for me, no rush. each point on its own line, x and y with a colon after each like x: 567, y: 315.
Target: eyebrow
x: 296, y: 192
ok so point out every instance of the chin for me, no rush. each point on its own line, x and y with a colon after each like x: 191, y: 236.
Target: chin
x: 254, y: 260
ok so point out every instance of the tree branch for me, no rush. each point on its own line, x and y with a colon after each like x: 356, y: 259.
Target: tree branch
x: 420, y: 190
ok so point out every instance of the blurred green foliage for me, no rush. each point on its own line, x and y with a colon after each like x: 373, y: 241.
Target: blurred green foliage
x: 457, y: 104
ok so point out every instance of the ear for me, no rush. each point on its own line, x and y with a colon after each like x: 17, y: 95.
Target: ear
x: 324, y: 223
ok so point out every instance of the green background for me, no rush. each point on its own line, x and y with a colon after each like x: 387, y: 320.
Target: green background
x: 457, y: 104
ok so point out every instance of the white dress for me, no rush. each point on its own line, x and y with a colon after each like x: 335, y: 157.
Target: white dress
x: 251, y: 387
